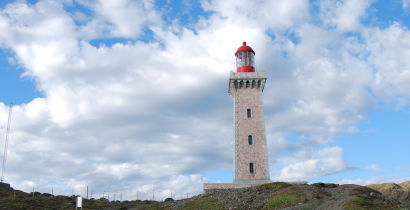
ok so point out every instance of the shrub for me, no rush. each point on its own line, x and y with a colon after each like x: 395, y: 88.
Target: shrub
x: 205, y: 203
x: 122, y: 208
x: 354, y: 203
x: 146, y: 202
x: 168, y: 199
x: 154, y: 206
x: 35, y: 193
x: 288, y: 199
x: 362, y: 190
x: 275, y: 186
x: 326, y: 185
x: 104, y: 199
x: 47, y: 194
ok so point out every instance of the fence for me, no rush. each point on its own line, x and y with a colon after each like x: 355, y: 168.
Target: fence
x: 114, y: 195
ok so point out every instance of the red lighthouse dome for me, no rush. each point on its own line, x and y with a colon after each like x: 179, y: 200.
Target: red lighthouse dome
x: 245, y: 59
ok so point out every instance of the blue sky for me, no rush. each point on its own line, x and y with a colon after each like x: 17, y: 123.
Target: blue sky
x: 135, y: 92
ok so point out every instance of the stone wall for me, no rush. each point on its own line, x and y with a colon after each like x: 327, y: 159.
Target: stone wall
x: 249, y: 97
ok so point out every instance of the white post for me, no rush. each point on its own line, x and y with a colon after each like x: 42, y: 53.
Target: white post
x: 79, y: 203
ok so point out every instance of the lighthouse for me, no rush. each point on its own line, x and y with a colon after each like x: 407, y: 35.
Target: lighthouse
x: 250, y: 151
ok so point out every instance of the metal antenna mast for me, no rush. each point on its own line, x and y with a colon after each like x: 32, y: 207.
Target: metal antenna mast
x: 6, y: 144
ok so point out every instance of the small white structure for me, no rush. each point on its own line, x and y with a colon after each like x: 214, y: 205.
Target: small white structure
x: 79, y: 203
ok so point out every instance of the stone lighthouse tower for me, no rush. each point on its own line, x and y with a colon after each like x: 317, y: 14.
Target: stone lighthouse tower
x: 250, y: 154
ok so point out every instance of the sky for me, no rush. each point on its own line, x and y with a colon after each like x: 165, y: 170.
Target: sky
x: 131, y: 97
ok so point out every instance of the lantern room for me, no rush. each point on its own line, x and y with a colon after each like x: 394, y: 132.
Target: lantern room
x: 245, y: 59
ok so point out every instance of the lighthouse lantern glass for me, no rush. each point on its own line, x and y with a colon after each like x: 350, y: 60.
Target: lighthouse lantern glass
x: 245, y: 59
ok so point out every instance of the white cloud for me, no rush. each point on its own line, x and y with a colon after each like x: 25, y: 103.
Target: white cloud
x: 343, y: 15
x: 374, y: 167
x: 305, y: 165
x: 374, y: 180
x: 402, y: 169
x: 406, y: 3
x: 139, y: 113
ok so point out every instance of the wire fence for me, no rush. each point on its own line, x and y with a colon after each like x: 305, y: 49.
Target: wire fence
x: 116, y: 195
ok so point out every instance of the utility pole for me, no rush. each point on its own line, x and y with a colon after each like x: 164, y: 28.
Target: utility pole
x: 6, y: 143
x: 87, y: 192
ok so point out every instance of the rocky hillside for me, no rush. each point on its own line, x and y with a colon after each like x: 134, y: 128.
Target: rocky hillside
x: 400, y: 192
x: 277, y: 195
x: 280, y: 195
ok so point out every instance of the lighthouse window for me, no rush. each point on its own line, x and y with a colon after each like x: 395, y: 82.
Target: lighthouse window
x: 249, y: 113
x: 251, y: 168
x: 250, y: 140
x: 245, y: 59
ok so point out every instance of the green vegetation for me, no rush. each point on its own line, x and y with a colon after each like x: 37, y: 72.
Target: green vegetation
x: 326, y: 185
x: 156, y: 206
x: 291, y: 198
x: 274, y: 186
x: 354, y: 203
x: 146, y: 202
x: 35, y: 193
x: 168, y: 199
x: 313, y: 205
x: 362, y: 190
x: 205, y: 203
x: 122, y: 208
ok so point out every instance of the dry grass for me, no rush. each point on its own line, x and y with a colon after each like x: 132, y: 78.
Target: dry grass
x: 274, y: 186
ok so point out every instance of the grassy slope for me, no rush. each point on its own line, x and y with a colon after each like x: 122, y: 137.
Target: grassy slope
x: 400, y: 191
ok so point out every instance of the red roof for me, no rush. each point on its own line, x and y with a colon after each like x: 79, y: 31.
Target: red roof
x: 244, y: 48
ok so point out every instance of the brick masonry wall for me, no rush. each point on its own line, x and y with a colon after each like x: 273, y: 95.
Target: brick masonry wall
x: 250, y: 98
x: 244, y: 98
